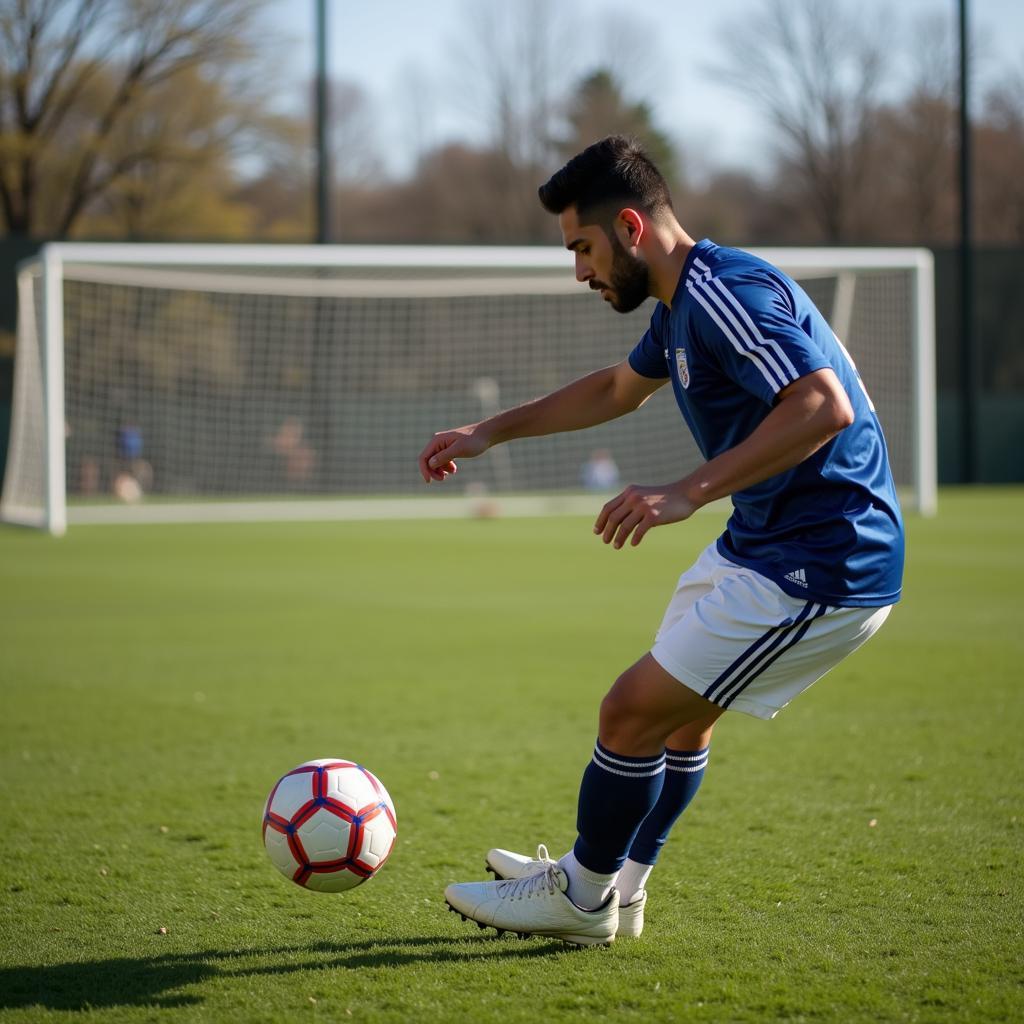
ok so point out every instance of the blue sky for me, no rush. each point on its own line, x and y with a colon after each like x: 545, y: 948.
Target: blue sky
x: 409, y: 56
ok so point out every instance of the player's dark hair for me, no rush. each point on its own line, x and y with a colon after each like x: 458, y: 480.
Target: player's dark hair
x: 605, y: 177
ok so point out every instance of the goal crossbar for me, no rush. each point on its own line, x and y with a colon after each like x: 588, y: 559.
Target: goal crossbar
x: 373, y: 280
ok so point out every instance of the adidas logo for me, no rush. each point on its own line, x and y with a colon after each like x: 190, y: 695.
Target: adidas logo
x: 797, y: 576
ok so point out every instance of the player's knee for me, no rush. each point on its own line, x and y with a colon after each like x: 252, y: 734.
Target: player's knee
x: 626, y: 720
x: 613, y: 711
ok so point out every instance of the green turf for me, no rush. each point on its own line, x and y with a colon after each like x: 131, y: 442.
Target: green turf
x: 156, y: 680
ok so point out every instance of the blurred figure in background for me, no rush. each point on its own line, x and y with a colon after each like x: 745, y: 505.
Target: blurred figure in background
x: 600, y: 473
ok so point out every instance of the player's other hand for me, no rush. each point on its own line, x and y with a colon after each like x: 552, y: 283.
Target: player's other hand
x: 437, y: 460
x: 637, y: 509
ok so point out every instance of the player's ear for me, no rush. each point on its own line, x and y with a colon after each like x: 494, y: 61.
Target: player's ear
x: 629, y: 226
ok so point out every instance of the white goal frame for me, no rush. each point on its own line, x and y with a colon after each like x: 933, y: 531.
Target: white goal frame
x: 48, y: 360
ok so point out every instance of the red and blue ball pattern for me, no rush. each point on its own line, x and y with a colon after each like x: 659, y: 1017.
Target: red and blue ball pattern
x: 329, y: 825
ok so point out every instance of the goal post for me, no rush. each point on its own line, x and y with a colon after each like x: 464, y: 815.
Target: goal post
x: 34, y: 491
x: 169, y: 382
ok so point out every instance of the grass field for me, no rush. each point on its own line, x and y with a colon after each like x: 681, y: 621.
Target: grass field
x: 857, y: 859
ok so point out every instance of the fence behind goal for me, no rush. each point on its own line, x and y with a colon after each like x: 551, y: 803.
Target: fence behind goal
x: 211, y: 382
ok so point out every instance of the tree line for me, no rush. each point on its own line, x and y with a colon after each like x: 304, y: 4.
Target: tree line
x: 153, y: 119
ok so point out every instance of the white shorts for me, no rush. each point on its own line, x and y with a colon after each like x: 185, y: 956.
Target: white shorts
x: 738, y: 640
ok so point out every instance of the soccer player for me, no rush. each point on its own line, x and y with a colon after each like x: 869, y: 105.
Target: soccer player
x: 807, y: 569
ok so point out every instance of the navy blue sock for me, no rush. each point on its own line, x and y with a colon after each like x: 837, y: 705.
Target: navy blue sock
x: 616, y: 794
x: 684, y: 770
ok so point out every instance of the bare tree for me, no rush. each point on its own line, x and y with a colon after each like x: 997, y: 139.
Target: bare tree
x: 417, y: 102
x: 816, y: 73
x: 513, y: 72
x: 631, y: 49
x: 74, y: 72
x: 999, y: 149
x: 355, y: 157
x: 912, y: 189
x: 513, y: 75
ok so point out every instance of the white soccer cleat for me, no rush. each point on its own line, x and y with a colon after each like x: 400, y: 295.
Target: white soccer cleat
x: 535, y: 905
x: 505, y: 864
x: 631, y: 917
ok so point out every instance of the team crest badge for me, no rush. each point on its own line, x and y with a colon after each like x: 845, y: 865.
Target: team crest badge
x: 682, y: 367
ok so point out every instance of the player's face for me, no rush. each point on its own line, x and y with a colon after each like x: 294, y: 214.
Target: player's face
x: 603, y: 262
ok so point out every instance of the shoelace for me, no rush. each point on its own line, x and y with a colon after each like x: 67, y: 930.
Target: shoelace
x: 545, y: 880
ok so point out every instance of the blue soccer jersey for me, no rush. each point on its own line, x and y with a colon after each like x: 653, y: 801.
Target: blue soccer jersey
x: 739, y: 332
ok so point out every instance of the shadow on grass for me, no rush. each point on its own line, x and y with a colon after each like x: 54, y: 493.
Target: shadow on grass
x: 154, y: 981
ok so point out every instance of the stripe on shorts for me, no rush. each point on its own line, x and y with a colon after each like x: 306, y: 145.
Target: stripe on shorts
x: 792, y: 637
x: 750, y: 660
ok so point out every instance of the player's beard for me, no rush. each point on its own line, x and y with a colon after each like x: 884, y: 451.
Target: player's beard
x: 629, y: 281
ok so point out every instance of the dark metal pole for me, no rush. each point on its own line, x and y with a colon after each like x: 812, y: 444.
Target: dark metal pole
x: 323, y: 163
x: 968, y: 359
x: 322, y: 411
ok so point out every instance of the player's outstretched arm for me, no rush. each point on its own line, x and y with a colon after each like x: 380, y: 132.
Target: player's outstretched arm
x: 596, y: 398
x: 807, y: 415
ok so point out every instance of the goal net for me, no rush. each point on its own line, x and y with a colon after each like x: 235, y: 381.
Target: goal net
x: 171, y: 382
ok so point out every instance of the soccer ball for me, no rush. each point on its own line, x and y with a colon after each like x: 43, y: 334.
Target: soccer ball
x: 329, y: 825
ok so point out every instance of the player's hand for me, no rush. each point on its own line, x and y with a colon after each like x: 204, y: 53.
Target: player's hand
x: 437, y: 460
x: 637, y: 509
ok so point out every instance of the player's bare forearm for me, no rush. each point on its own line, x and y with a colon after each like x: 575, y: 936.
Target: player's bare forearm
x: 596, y: 398
x: 808, y: 414
x: 587, y: 401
